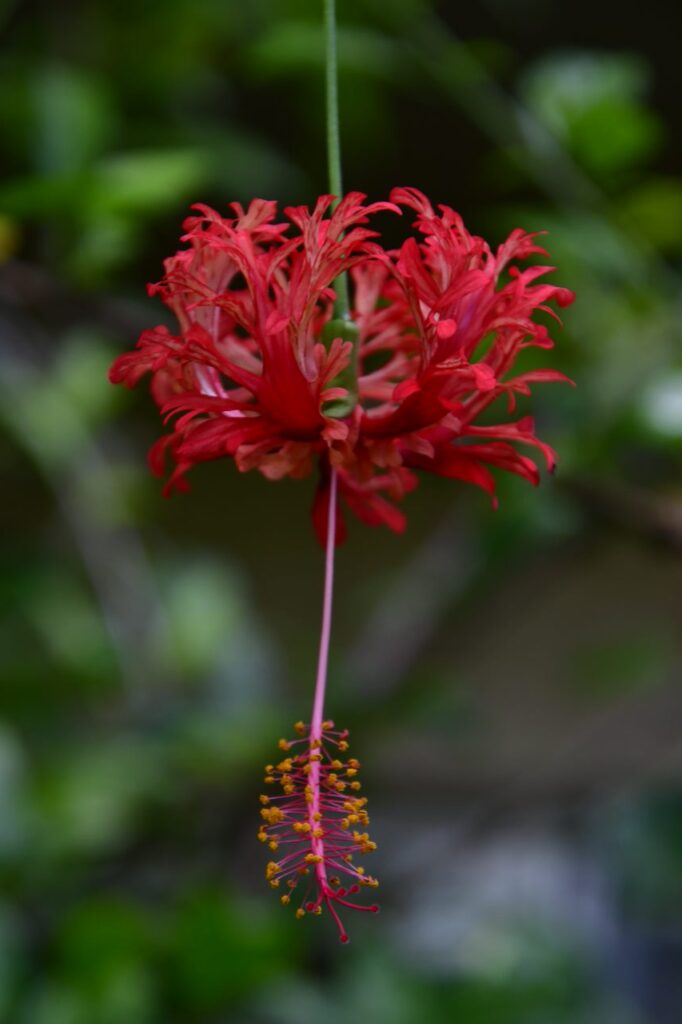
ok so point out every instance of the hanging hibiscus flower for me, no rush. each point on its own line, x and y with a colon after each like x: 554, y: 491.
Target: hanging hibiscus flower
x: 261, y: 371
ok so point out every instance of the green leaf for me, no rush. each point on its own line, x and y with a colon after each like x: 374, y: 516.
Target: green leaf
x: 202, y: 613
x: 140, y: 182
x: 80, y: 373
x: 222, y: 952
x: 64, y: 616
x: 594, y: 104
x: 73, y: 118
x: 100, y: 935
x: 292, y: 47
x: 38, y: 196
x: 88, y: 803
x: 613, y: 134
x: 654, y: 210
x: 661, y: 405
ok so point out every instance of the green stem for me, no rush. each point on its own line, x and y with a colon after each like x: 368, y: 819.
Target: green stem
x: 342, y: 305
x: 333, y: 133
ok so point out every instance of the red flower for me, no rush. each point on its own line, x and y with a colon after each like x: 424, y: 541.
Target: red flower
x: 249, y: 375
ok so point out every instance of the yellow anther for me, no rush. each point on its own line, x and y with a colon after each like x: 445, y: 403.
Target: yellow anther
x: 301, y: 826
x: 338, y: 765
x: 286, y: 765
x: 327, y: 725
x: 273, y: 845
x: 353, y: 763
x: 340, y: 787
x: 300, y: 913
x: 263, y: 836
x: 272, y: 815
x: 289, y: 790
x: 274, y: 883
x: 312, y: 858
x: 316, y: 757
x: 306, y: 769
x: 345, y: 823
x: 271, y: 869
x: 350, y: 772
x: 360, y: 871
x: 318, y: 833
x: 264, y: 799
x: 285, y: 899
x: 317, y: 816
x: 348, y: 857
x: 355, y: 785
x: 343, y: 746
x: 269, y: 779
x: 317, y: 910
x: 332, y: 777
x: 284, y: 744
x: 315, y: 744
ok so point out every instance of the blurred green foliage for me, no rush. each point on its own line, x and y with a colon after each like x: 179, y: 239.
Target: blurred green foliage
x: 522, y: 665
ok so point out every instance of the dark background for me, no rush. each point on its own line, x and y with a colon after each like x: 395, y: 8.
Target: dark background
x: 511, y: 679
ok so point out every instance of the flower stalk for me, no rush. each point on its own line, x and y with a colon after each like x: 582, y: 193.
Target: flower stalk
x: 342, y: 303
x: 341, y: 326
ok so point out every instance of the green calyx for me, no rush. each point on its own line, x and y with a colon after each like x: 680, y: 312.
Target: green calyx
x: 348, y: 378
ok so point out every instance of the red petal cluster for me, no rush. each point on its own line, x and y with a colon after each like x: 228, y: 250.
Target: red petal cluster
x: 440, y: 320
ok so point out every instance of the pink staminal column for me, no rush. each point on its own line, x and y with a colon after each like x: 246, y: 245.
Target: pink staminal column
x: 318, y: 815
